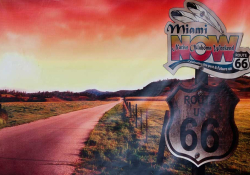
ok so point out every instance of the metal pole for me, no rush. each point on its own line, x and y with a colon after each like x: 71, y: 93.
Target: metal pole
x: 199, y: 77
x: 198, y: 170
x: 160, y: 155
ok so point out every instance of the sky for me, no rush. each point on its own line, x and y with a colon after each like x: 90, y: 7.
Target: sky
x: 110, y: 45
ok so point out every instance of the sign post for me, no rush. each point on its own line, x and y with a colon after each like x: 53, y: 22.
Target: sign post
x: 201, y: 126
x: 199, y: 77
x: 198, y: 38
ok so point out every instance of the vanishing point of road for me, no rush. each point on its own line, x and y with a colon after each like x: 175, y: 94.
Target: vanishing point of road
x: 50, y: 146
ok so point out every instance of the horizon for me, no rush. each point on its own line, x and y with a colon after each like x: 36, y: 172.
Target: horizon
x: 104, y: 45
x: 23, y: 91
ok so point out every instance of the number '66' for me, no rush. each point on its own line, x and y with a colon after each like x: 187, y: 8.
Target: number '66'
x: 204, y: 135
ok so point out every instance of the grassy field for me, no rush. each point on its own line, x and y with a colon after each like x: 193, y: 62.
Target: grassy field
x: 117, y: 147
x: 25, y: 112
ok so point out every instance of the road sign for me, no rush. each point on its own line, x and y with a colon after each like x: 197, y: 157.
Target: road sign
x: 197, y: 38
x: 201, y: 127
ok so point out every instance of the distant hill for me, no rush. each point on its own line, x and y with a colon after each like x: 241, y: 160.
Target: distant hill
x: 107, y: 94
x: 241, y: 86
x: 95, y: 92
x: 155, y: 88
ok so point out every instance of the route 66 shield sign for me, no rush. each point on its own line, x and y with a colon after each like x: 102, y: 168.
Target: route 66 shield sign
x: 201, y: 127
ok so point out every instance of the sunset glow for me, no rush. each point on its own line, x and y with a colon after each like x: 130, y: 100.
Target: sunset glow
x: 109, y: 45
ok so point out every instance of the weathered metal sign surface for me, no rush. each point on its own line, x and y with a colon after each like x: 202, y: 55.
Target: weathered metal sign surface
x: 201, y: 127
x: 198, y: 38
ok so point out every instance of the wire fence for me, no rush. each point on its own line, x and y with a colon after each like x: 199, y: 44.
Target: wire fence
x: 140, y: 118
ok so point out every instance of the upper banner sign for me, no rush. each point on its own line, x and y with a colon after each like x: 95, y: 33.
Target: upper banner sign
x: 199, y: 39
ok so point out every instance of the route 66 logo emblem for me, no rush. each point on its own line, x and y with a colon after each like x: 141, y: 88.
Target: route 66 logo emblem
x: 241, y: 60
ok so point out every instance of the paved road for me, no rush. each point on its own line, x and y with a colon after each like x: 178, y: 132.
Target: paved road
x: 50, y: 146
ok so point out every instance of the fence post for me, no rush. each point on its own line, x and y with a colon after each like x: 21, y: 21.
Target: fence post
x: 141, y: 121
x: 130, y: 112
x: 136, y: 115
x: 147, y: 126
x: 133, y: 110
x: 160, y: 155
x: 124, y: 104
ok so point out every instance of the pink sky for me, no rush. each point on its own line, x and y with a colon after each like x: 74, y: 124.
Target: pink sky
x: 104, y: 44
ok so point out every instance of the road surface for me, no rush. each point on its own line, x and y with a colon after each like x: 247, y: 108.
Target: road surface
x: 50, y: 146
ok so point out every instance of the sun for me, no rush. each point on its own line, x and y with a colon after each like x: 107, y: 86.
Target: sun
x: 17, y: 70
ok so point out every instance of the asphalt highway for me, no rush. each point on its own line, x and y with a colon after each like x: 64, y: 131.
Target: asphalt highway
x: 50, y: 146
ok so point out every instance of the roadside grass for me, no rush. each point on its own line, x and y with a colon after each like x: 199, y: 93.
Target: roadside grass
x: 239, y: 163
x: 115, y: 146
x: 25, y: 112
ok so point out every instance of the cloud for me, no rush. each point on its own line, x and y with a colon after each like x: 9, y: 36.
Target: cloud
x: 55, y: 19
x: 102, y: 16
x: 14, y: 42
